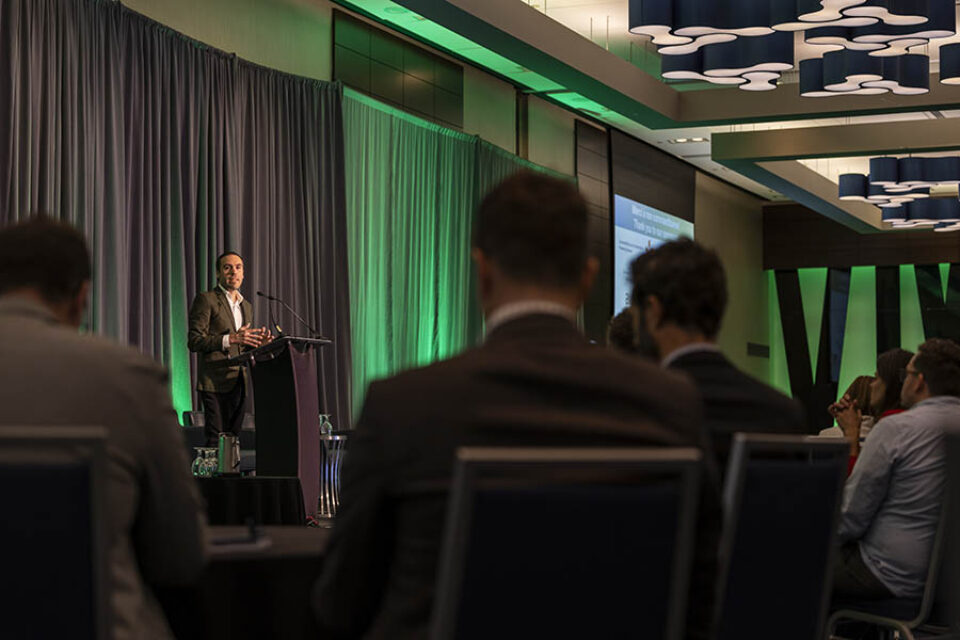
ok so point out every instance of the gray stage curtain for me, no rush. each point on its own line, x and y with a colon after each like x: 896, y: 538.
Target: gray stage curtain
x: 165, y: 153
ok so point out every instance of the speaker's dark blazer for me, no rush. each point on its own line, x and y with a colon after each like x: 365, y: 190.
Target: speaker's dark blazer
x: 210, y: 320
x: 535, y: 381
x: 734, y: 401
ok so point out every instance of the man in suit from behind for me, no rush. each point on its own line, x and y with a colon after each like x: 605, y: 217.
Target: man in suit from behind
x: 534, y: 381
x: 679, y: 297
x: 220, y: 329
x: 54, y: 375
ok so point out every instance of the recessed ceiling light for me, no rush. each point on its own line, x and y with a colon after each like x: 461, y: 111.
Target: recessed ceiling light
x: 686, y: 140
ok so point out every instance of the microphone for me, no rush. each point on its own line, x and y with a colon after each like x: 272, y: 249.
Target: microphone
x: 273, y: 323
x: 313, y: 332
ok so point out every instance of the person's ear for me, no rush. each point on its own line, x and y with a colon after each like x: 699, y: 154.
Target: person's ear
x: 484, y: 280
x: 77, y: 305
x: 588, y: 277
x: 652, y: 312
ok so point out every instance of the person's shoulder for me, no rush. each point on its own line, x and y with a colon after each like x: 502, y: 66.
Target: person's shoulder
x: 210, y: 295
x: 715, y: 367
x: 102, y: 355
x: 430, y: 376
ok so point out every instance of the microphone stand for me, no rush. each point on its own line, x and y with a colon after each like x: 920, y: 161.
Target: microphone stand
x: 313, y: 332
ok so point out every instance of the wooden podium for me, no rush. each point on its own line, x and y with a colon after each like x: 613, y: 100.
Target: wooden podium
x: 287, y: 406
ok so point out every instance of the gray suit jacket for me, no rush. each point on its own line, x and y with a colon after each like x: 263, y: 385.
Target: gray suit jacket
x: 210, y: 320
x: 52, y: 375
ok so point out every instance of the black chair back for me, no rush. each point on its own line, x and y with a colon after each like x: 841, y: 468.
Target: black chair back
x: 568, y: 543
x: 781, y: 511
x: 55, y: 565
x: 948, y: 587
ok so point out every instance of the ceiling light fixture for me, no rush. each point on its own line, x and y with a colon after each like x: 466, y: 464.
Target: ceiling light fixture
x: 749, y: 44
x: 901, y: 187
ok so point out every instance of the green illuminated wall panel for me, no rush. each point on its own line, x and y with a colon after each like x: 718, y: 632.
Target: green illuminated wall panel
x: 859, y: 356
x: 779, y: 373
x: 813, y: 291
x: 911, y: 319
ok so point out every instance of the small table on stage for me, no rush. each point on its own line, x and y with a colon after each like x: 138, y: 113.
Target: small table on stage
x: 287, y: 404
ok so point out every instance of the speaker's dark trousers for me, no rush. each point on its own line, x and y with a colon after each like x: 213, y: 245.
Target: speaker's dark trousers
x: 223, y: 412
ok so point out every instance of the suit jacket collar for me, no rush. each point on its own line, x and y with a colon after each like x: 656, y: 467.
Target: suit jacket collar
x: 535, y: 328
x: 26, y: 308
x: 245, y: 310
x: 695, y: 356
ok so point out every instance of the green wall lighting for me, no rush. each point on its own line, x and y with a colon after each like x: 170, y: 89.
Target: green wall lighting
x: 779, y: 376
x: 944, y: 278
x: 437, y: 35
x: 911, y: 318
x: 813, y: 292
x: 859, y: 354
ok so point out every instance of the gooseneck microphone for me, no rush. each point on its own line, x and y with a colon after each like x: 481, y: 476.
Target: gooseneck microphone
x: 273, y: 323
x: 313, y: 332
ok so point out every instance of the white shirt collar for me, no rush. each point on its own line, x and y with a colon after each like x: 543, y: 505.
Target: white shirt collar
x: 688, y: 348
x: 229, y: 299
x: 513, y: 310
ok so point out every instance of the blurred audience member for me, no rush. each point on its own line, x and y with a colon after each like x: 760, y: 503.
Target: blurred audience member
x: 621, y: 334
x: 892, y: 500
x: 53, y: 375
x: 679, y: 294
x: 884, y: 398
x: 856, y: 396
x: 535, y: 381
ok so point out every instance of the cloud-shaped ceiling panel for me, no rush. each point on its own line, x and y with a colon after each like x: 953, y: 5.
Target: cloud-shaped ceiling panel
x: 680, y: 27
x: 753, y: 63
x: 901, y: 187
x: 890, y: 39
x: 847, y: 72
x: 741, y: 42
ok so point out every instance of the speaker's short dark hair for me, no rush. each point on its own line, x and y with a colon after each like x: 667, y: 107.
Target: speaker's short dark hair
x: 534, y: 227
x: 938, y: 359
x: 46, y: 255
x: 688, y: 280
x: 225, y: 254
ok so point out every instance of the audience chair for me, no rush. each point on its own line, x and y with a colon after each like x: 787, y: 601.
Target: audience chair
x: 936, y: 613
x: 55, y: 579
x: 567, y: 543
x: 781, y: 511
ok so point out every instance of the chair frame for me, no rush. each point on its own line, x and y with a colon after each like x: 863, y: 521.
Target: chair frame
x: 919, y: 622
x: 744, y: 446
x: 473, y: 462
x: 40, y: 445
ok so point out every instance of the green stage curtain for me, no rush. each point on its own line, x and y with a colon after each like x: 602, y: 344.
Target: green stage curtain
x: 411, y: 190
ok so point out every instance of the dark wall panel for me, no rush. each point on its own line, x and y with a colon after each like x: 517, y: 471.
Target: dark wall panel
x: 888, y: 308
x: 593, y: 178
x: 646, y: 174
x: 814, y: 388
x: 795, y: 237
x: 397, y: 72
x: 941, y: 318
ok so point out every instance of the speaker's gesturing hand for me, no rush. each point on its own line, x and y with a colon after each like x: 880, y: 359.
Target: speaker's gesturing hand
x: 246, y: 336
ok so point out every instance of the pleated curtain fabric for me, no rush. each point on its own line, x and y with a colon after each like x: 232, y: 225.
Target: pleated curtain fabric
x: 412, y: 190
x: 166, y: 153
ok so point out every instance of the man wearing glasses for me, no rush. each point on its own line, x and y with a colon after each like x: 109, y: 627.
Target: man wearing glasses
x: 892, y: 500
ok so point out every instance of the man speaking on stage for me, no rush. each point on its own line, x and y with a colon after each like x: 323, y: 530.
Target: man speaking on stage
x: 219, y: 328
